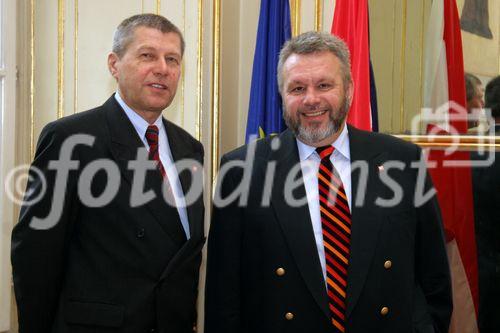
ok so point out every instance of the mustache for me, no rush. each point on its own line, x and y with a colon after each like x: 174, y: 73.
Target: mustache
x: 314, y: 108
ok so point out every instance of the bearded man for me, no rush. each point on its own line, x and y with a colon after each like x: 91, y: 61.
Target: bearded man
x: 325, y: 228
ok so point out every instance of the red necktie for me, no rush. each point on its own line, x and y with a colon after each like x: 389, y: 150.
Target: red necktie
x: 154, y: 153
x: 336, y: 225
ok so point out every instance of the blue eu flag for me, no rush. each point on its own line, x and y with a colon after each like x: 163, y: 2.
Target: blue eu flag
x: 265, y: 110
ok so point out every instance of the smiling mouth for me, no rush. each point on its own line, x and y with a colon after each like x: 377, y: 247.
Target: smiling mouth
x: 158, y: 86
x: 314, y: 114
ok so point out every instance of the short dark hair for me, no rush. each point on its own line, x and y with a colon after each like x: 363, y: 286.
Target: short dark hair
x: 492, y: 96
x: 125, y: 31
x: 312, y: 42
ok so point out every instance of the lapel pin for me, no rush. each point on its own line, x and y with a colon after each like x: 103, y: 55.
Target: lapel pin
x: 194, y: 168
x: 380, y: 168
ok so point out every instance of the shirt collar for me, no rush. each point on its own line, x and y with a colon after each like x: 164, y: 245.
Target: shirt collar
x: 341, y: 146
x: 139, y: 123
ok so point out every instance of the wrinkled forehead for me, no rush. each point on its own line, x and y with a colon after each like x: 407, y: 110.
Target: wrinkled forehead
x: 312, y: 57
x: 324, y: 64
x: 142, y: 35
x: 145, y: 37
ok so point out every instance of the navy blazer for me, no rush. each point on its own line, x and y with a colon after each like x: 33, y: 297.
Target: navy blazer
x: 264, y: 273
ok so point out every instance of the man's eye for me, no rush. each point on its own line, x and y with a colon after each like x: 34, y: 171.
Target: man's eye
x: 172, y: 60
x: 324, y: 86
x: 297, y: 89
x: 147, y: 56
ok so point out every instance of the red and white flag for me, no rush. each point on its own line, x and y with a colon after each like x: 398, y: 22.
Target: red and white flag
x: 350, y: 22
x: 444, y: 97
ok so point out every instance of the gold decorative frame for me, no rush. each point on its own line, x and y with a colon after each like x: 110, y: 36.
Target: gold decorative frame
x: 318, y: 14
x: 75, y: 59
x: 462, y: 142
x: 32, y: 79
x: 295, y: 14
x: 60, y: 58
x: 199, y: 87
x: 215, y: 89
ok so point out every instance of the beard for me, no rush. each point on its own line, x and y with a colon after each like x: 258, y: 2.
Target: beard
x: 317, y: 132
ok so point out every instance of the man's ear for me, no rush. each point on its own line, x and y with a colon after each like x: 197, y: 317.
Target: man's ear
x: 112, y: 64
x: 350, y: 92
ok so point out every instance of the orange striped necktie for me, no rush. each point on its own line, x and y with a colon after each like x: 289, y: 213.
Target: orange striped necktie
x: 336, y: 226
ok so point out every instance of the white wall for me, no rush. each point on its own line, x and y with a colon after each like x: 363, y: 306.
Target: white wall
x: 7, y: 150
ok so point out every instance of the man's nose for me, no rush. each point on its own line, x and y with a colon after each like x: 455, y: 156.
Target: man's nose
x: 161, y: 67
x: 311, y: 97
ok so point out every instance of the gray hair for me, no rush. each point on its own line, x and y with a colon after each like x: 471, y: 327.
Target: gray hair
x: 124, y: 33
x: 312, y: 42
x: 471, y: 83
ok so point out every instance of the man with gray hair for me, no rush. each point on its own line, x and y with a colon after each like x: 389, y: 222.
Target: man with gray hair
x: 333, y: 233
x: 474, y: 93
x: 84, y: 261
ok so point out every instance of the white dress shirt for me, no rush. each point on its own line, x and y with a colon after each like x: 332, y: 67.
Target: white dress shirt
x: 166, y: 159
x: 309, y: 162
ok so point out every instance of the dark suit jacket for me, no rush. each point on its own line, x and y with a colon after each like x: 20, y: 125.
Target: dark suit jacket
x: 115, y: 268
x: 486, y: 185
x: 247, y: 244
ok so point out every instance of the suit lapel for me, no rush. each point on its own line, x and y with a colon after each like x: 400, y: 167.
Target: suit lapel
x: 296, y: 221
x: 124, y: 146
x: 297, y: 227
x: 195, y: 212
x: 180, y: 151
x: 365, y: 221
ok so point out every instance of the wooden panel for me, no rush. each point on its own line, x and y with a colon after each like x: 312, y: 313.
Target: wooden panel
x: 327, y: 14
x: 45, y: 65
x: 95, y: 84
x: 397, y: 29
x: 87, y: 82
x: 307, y: 15
x: 412, y: 64
x: 8, y: 130
x: 382, y: 49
